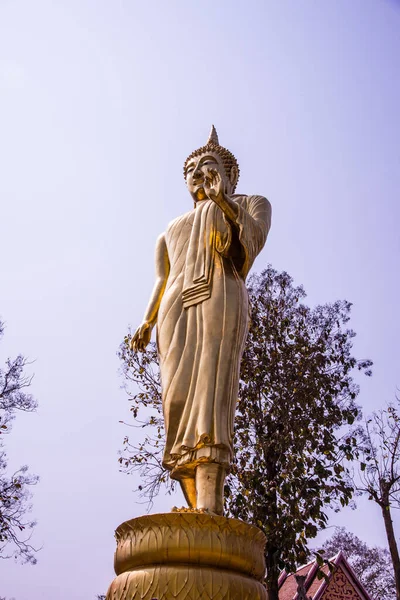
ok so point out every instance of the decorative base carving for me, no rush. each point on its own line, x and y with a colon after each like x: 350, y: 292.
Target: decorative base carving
x: 188, y: 556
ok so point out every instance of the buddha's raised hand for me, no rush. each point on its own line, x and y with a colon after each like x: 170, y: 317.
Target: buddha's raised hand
x: 213, y: 184
x: 141, y: 337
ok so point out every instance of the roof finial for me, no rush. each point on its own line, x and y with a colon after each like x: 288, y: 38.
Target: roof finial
x: 213, y: 137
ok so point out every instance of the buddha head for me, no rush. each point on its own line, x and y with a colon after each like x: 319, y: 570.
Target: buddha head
x: 210, y: 157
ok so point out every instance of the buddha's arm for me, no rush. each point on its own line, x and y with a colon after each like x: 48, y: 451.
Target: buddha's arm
x: 162, y: 272
x: 143, y: 334
x: 228, y: 207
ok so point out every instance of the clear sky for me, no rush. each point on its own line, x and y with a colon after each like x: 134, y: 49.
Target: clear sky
x: 100, y: 103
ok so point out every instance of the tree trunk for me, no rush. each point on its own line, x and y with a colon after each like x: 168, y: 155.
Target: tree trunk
x: 272, y: 574
x: 271, y: 550
x: 394, y: 552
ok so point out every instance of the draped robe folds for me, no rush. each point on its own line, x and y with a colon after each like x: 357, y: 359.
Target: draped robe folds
x: 202, y: 327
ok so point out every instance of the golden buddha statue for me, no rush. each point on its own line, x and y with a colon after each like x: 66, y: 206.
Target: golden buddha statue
x: 200, y: 306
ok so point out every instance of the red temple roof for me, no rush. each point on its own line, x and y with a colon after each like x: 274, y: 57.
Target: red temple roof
x: 342, y: 582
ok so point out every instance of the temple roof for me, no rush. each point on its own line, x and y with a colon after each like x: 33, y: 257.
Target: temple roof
x: 341, y: 583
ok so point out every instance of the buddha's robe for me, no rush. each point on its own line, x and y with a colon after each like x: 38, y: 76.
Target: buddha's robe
x: 202, y: 327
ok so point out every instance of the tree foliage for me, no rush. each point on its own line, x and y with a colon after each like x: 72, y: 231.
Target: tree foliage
x: 142, y: 383
x: 371, y: 565
x: 293, y: 427
x: 15, y: 527
x: 379, y: 473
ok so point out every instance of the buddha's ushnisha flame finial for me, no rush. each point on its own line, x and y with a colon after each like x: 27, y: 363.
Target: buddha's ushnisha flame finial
x: 213, y: 137
x: 213, y: 145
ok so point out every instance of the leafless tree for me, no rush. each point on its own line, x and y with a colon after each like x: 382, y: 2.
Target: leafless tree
x: 15, y: 527
x: 379, y: 474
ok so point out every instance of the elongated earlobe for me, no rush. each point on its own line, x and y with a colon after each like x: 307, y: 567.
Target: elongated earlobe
x: 234, y: 176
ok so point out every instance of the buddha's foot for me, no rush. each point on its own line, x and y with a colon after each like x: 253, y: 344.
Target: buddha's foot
x: 186, y: 509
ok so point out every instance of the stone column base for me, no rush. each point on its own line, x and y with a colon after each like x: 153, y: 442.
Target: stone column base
x: 188, y: 556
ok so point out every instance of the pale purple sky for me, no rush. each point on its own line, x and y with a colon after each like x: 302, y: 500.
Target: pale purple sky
x: 100, y: 103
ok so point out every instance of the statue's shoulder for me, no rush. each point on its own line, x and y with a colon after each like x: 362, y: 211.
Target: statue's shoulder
x: 180, y: 221
x: 246, y: 200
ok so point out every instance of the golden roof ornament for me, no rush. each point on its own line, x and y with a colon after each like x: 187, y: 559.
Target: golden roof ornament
x: 213, y: 145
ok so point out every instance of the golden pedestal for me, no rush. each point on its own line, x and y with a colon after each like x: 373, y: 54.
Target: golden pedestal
x: 188, y: 556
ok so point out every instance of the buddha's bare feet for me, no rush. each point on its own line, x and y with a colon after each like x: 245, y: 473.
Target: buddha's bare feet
x: 185, y: 509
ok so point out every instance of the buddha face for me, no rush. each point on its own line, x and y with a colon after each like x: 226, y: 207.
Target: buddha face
x: 198, y: 168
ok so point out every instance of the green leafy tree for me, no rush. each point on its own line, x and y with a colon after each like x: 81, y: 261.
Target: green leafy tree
x: 372, y: 566
x: 15, y: 527
x: 294, y: 420
x: 379, y: 473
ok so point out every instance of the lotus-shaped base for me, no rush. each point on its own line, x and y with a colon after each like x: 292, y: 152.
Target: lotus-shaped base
x: 188, y: 556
